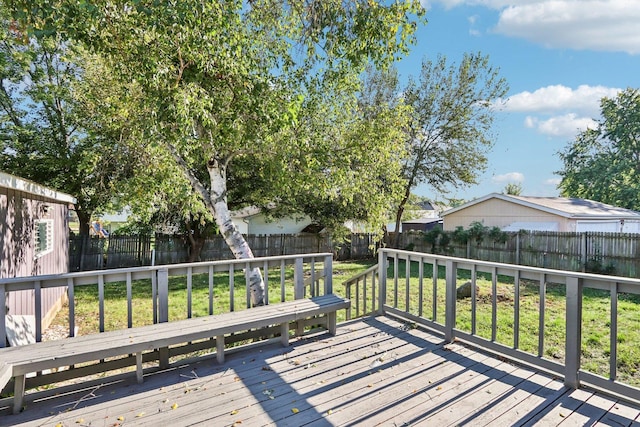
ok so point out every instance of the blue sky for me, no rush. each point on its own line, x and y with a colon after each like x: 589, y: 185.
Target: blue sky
x: 559, y: 58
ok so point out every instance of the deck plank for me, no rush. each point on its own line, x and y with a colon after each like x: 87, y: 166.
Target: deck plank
x: 375, y: 371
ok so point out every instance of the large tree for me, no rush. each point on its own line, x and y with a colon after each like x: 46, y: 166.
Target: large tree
x: 603, y: 163
x: 449, y: 132
x: 228, y: 83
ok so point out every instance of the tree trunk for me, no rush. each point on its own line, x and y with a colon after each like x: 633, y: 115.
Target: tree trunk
x: 399, y: 212
x: 234, y: 239
x: 196, y: 241
x: 84, y: 220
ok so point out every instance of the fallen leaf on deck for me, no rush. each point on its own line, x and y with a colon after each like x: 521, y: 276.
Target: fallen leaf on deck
x: 80, y: 421
x: 266, y: 368
x: 295, y: 410
x: 561, y: 414
x: 235, y: 411
x: 174, y: 406
x: 329, y: 412
x: 141, y: 414
x: 120, y: 418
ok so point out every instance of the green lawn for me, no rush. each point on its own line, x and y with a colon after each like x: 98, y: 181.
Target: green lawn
x: 595, y: 327
x: 596, y: 310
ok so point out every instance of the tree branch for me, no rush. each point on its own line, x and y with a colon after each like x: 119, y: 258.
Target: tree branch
x: 195, y: 183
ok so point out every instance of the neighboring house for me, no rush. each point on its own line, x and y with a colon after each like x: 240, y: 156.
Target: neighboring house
x: 112, y: 222
x: 251, y: 220
x: 427, y: 209
x: 421, y: 224
x: 34, y: 240
x: 514, y: 213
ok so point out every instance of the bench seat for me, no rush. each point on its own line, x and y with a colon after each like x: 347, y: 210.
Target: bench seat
x: 40, y: 356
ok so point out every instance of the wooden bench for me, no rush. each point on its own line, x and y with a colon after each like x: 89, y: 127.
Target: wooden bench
x: 17, y: 362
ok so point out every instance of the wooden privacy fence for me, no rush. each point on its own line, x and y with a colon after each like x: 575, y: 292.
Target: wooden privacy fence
x: 92, y: 253
x: 596, y: 252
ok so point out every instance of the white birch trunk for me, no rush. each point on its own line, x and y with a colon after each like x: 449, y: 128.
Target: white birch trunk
x: 236, y: 242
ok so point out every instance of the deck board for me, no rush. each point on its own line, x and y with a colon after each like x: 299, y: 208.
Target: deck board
x: 375, y: 371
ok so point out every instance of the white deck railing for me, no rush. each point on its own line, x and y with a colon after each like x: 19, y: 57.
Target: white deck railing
x: 299, y: 276
x: 407, y: 284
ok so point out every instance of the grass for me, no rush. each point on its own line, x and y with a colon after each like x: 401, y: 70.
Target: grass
x: 595, y: 328
x: 596, y: 308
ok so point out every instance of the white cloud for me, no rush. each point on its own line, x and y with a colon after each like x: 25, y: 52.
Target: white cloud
x: 585, y: 99
x: 600, y: 25
x: 560, y: 110
x: 510, y: 177
x: 567, y: 125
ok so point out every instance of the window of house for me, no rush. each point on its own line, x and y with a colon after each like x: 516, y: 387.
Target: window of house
x: 44, y: 237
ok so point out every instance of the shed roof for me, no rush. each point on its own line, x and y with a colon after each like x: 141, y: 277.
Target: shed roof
x: 26, y: 186
x: 562, y: 206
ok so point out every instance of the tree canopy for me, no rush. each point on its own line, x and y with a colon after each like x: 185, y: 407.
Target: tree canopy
x: 603, y: 163
x: 58, y: 123
x: 261, y: 90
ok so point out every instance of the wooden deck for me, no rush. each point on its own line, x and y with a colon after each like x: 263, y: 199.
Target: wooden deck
x: 376, y: 371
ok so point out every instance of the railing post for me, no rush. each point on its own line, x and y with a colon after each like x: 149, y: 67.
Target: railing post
x: 574, y: 332
x: 298, y: 279
x: 382, y: 280
x: 163, y: 312
x: 450, y: 298
x: 328, y: 274
x: 163, y: 295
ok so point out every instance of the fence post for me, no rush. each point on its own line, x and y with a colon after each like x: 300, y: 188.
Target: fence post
x: 574, y: 332
x: 382, y: 280
x: 450, y: 298
x: 583, y: 250
x: 328, y: 274
x: 517, y: 248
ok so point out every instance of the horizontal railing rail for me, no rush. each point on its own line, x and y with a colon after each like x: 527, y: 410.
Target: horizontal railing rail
x: 286, y: 277
x: 512, y: 310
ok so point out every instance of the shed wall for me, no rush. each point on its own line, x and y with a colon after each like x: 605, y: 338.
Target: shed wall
x: 20, y: 212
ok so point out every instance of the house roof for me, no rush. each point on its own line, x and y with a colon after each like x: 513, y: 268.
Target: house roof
x: 246, y: 212
x: 565, y: 207
x: 422, y: 220
x: 26, y: 186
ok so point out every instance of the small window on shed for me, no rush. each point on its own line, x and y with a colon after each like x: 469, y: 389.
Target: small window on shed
x: 44, y: 237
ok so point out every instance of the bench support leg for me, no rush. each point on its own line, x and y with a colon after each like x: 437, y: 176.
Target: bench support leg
x: 299, y: 328
x: 332, y: 322
x: 163, y: 356
x: 220, y: 348
x: 139, y: 375
x: 18, y: 394
x: 284, y: 334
